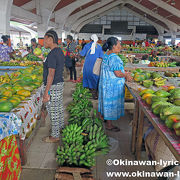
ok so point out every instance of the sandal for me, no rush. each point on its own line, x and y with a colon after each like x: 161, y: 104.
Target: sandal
x: 50, y: 139
x: 114, y: 129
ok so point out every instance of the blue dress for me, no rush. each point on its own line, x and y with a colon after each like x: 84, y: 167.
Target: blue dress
x: 111, y: 88
x: 90, y: 80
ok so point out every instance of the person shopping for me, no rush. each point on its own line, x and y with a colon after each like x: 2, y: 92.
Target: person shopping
x: 70, y: 58
x: 5, y: 50
x: 91, y: 51
x: 111, y: 84
x: 53, y: 85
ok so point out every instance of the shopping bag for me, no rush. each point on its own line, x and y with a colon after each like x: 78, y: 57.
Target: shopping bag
x: 97, y: 66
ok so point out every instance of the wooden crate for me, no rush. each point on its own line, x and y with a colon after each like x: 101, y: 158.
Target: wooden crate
x: 70, y: 173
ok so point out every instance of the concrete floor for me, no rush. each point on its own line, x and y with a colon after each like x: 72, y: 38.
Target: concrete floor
x: 41, y: 163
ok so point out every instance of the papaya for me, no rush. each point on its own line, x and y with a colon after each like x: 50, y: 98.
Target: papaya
x: 14, y: 101
x: 2, y: 90
x: 149, y: 100
x: 3, y: 99
x: 170, y: 88
x: 174, y: 118
x: 177, y: 102
x: 20, y: 97
x: 157, y: 99
x: 29, y: 88
x: 25, y: 93
x: 7, y: 93
x: 157, y: 108
x: 176, y: 125
x: 17, y: 88
x: 177, y: 131
x: 6, y: 106
x: 7, y: 86
x: 171, y: 110
x: 147, y: 95
x: 162, y: 93
x: 27, y: 79
x: 169, y: 123
x: 146, y: 91
x: 176, y: 90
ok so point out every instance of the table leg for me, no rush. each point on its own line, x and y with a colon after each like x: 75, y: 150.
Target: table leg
x: 23, y: 151
x: 139, y: 134
x: 134, y: 126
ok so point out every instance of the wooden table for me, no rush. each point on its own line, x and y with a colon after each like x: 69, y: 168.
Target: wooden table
x: 141, y: 110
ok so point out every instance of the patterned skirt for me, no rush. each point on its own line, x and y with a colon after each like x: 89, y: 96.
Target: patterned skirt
x: 55, y: 108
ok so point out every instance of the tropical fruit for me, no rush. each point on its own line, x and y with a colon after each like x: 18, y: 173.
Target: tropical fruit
x: 29, y: 88
x: 162, y: 93
x: 25, y: 93
x: 158, y: 99
x: 146, y: 91
x: 6, y: 106
x: 147, y: 95
x: 147, y: 83
x: 7, y: 93
x: 176, y: 127
x: 37, y: 52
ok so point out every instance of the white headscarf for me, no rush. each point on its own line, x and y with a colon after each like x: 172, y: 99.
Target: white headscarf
x: 93, y: 47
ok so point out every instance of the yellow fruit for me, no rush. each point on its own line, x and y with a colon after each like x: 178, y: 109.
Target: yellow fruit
x: 149, y: 100
x: 7, y: 93
x: 25, y: 93
x: 147, y: 95
x: 171, y: 87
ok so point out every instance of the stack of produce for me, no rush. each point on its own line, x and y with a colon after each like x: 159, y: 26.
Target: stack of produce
x: 84, y: 137
x: 147, y: 79
x: 162, y: 64
x: 166, y: 105
x: 123, y: 58
x: 17, y: 86
x: 170, y: 74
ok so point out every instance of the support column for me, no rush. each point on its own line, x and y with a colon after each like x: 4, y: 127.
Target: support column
x: 5, y: 13
x: 43, y: 27
x: 173, y: 38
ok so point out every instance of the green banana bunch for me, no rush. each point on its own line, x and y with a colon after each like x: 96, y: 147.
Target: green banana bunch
x: 98, y: 138
x: 72, y: 134
x: 81, y: 93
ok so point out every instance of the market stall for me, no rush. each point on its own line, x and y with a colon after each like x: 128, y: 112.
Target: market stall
x: 142, y: 109
x: 21, y: 100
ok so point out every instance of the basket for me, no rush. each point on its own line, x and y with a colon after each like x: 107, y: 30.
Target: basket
x: 128, y: 95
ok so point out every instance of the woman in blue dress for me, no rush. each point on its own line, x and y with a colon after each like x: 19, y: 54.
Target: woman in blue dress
x: 92, y: 51
x: 111, y: 84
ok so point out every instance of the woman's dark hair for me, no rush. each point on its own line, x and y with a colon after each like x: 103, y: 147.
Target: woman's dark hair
x: 108, y: 45
x: 69, y: 37
x: 33, y: 40
x: 53, y: 35
x: 4, y: 38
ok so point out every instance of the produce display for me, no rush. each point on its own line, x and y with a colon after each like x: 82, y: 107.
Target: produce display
x: 134, y: 50
x: 162, y: 64
x: 147, y: 79
x: 170, y: 74
x: 123, y: 58
x: 84, y: 137
x: 15, y: 87
x: 166, y: 105
x: 20, y: 63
